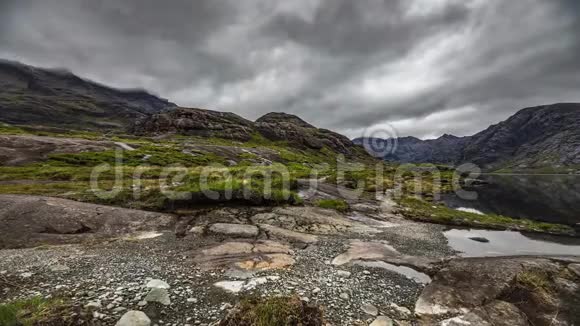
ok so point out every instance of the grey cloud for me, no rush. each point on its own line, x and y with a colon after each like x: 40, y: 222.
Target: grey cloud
x: 340, y: 64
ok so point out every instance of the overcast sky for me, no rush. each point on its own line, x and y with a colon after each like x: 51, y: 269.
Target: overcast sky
x: 427, y: 67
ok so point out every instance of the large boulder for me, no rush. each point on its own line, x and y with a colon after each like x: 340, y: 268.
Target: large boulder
x: 28, y: 221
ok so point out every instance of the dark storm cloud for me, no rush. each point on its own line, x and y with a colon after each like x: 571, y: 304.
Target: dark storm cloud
x: 427, y: 66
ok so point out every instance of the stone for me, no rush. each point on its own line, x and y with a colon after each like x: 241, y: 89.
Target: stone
x: 93, y: 305
x: 134, y: 318
x: 158, y: 295
x: 382, y: 321
x: 344, y: 274
x: 402, y: 311
x: 157, y: 284
x: 231, y: 286
x: 235, y: 230
x: 344, y: 296
x: 369, y: 309
x: 479, y: 239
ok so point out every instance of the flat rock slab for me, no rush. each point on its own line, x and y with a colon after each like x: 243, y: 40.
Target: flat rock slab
x: 312, y: 220
x: 382, y: 251
x: 258, y: 255
x: 234, y: 230
x: 28, y: 221
x: 21, y: 149
x: 289, y: 235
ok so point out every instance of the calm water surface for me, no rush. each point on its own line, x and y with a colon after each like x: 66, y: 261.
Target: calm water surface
x: 550, y: 198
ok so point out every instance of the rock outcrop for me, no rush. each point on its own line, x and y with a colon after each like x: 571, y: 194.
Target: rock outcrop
x: 502, y: 291
x: 272, y: 126
x: 196, y: 122
x: 28, y: 221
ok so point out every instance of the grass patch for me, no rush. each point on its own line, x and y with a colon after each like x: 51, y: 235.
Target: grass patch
x: 35, y: 311
x: 282, y: 311
x: 336, y: 204
x: 421, y: 210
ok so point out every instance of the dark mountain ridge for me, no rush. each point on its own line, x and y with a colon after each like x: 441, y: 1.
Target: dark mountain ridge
x: 537, y: 137
x: 51, y: 97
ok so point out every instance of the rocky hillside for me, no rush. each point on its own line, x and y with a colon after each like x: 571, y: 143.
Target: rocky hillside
x: 538, y: 137
x: 56, y: 98
x: 272, y: 126
x: 51, y: 98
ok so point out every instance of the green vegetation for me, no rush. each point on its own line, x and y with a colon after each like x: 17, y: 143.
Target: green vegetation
x: 421, y: 210
x: 336, y: 204
x: 6, y: 129
x: 281, y: 311
x: 35, y: 311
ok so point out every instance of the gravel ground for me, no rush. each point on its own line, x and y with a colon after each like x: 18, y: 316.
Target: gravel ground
x: 112, y: 276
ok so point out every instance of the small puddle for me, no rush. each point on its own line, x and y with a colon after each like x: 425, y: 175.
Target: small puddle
x: 510, y: 243
x: 406, y: 271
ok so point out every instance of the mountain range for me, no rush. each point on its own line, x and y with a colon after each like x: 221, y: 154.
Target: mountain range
x: 58, y: 99
x: 533, y: 138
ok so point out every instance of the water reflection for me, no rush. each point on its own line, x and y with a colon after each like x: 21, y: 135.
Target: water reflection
x: 509, y: 243
x: 548, y: 198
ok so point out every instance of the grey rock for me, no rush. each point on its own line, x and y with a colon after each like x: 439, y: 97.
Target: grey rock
x: 382, y: 321
x: 134, y: 318
x: 157, y: 284
x: 479, y: 239
x: 235, y: 230
x: 158, y: 295
x: 369, y: 309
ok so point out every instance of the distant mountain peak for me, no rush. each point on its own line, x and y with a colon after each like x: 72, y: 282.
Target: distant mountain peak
x: 541, y: 136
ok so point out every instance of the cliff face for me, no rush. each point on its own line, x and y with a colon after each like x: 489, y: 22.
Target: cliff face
x: 35, y: 96
x: 544, y: 136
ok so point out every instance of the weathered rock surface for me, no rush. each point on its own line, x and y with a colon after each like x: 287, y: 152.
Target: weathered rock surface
x: 258, y: 255
x: 234, y: 230
x: 484, y: 291
x: 311, y: 220
x: 497, y: 313
x: 196, y: 122
x: 380, y: 251
x: 27, y: 221
x: 22, y: 149
x: 289, y: 235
